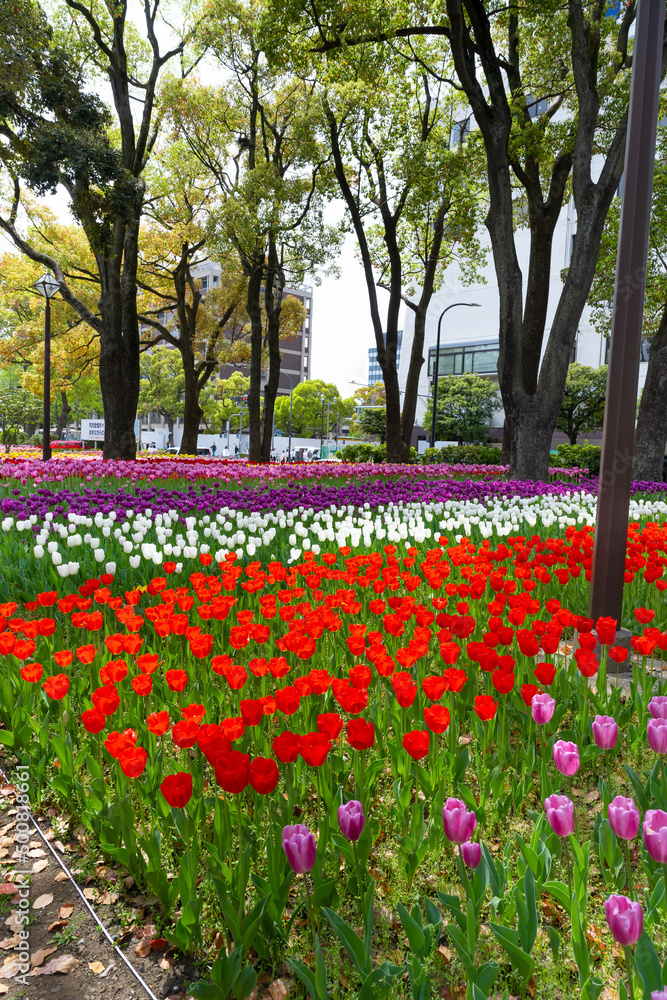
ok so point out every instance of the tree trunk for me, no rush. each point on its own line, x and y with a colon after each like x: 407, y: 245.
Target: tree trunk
x: 192, y: 411
x: 119, y: 376
x: 651, y: 433
x: 62, y: 419
x: 273, y: 295
x: 254, y: 391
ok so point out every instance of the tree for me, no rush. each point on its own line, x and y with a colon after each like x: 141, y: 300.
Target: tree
x: 67, y: 142
x: 258, y: 137
x: 312, y: 401
x: 510, y: 60
x: 411, y: 199
x: 651, y: 430
x: 162, y: 385
x: 371, y: 395
x: 225, y: 400
x: 372, y: 422
x: 17, y: 405
x: 466, y: 404
x: 582, y: 408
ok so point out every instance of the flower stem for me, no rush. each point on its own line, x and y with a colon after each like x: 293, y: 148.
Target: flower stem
x: 628, y: 964
x: 311, y: 911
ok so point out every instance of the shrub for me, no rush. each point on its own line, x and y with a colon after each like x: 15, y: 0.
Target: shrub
x: 581, y: 456
x: 467, y: 454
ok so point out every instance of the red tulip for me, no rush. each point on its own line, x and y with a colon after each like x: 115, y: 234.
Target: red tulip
x: 436, y: 718
x: 360, y: 734
x: 56, y: 687
x: 485, y: 707
x: 416, y: 742
x: 286, y: 747
x: 177, y: 789
x: 93, y: 720
x: 264, y: 775
x: 331, y: 724
x: 133, y: 761
x: 32, y: 672
x: 158, y: 723
x: 314, y: 748
x: 142, y: 685
x: 176, y: 680
x: 232, y: 771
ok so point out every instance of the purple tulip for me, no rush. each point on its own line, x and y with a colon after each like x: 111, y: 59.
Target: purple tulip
x: 459, y: 824
x: 655, y: 834
x: 659, y: 994
x: 566, y: 757
x: 471, y: 854
x: 624, y: 817
x: 300, y: 847
x: 560, y: 813
x: 542, y: 707
x: 605, y: 731
x: 658, y: 706
x: 657, y: 735
x: 625, y: 919
x: 351, y: 819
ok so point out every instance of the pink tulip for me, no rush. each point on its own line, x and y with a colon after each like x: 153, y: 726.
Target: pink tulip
x: 624, y: 817
x: 625, y: 919
x: 656, y: 731
x: 658, y: 706
x: 560, y: 813
x: 566, y: 757
x: 459, y: 824
x: 542, y: 707
x: 351, y: 819
x: 605, y: 731
x: 655, y: 834
x: 471, y: 854
x: 300, y: 847
x: 659, y: 994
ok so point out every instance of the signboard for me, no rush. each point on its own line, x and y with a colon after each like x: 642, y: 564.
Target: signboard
x: 92, y: 430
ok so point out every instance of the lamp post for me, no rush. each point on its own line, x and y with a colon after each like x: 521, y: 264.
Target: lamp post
x: 47, y: 286
x: 472, y: 305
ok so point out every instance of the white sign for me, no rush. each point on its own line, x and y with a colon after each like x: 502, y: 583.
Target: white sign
x: 92, y: 430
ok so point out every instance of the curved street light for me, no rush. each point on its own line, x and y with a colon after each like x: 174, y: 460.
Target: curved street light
x: 471, y: 305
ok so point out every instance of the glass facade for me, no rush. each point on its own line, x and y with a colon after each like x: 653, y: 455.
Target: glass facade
x: 374, y: 369
x: 477, y: 359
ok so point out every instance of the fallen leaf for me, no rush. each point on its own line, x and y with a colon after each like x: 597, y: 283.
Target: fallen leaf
x: 143, y: 948
x: 66, y: 911
x: 108, y: 969
x: 13, y: 923
x: 96, y: 967
x: 129, y: 881
x: 9, y: 888
x: 3, y: 989
x: 37, y: 852
x: 166, y: 962
x: 592, y: 796
x: 445, y: 953
x: 43, y: 901
x: 57, y: 925
x: 39, y: 866
x: 107, y: 898
x: 159, y: 944
x: 38, y: 956
x: 218, y: 943
x: 58, y: 844
x: 10, y: 969
x: 62, y: 877
x: 10, y: 942
x: 64, y: 963
x: 91, y: 893
x: 278, y: 990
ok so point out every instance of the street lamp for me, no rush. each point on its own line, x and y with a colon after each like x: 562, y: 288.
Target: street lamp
x: 472, y: 305
x: 47, y: 286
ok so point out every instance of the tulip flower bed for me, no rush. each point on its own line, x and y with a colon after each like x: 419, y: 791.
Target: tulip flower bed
x: 377, y: 744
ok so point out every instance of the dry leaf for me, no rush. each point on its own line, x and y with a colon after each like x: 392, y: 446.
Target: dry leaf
x: 278, y: 990
x: 10, y: 968
x: 57, y: 925
x: 64, y: 963
x: 218, y: 943
x: 96, y: 967
x: 62, y: 877
x: 38, y: 956
x: 3, y: 852
x: 37, y: 852
x: 58, y: 844
x: 13, y: 923
x: 107, y: 898
x: 10, y: 942
x: 8, y: 888
x: 66, y: 911
x: 108, y: 969
x: 43, y: 901
x: 39, y: 866
x: 91, y: 893
x: 592, y: 796
x: 129, y: 881
x: 445, y: 953
x: 165, y: 962
x: 3, y: 989
x: 143, y: 948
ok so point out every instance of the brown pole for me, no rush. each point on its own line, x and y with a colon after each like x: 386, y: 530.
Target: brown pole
x: 626, y: 328
x: 46, y: 424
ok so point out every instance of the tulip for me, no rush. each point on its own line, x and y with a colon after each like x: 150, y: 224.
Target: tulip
x: 659, y: 994
x: 625, y: 919
x: 177, y: 789
x: 351, y: 819
x: 560, y: 814
x: 658, y: 706
x: 566, y: 757
x: 605, y: 731
x: 655, y: 834
x: 471, y: 854
x: 300, y: 847
x: 459, y: 824
x: 542, y: 708
x: 624, y: 817
x: 656, y: 731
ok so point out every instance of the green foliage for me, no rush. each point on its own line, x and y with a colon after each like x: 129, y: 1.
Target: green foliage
x: 17, y: 405
x: 373, y: 422
x: 582, y: 409
x: 579, y: 456
x: 467, y: 454
x: 307, y: 411
x: 162, y: 384
x: 222, y: 400
x: 466, y: 404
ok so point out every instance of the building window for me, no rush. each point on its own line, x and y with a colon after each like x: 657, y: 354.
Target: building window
x: 204, y: 284
x: 644, y: 349
x: 536, y: 106
x: 607, y: 348
x: 305, y: 343
x: 460, y: 132
x: 478, y: 359
x: 215, y: 279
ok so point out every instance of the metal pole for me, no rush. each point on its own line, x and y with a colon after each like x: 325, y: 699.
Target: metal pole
x: 46, y: 425
x: 289, y: 446
x: 322, y: 430
x: 611, y: 532
x: 472, y: 305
